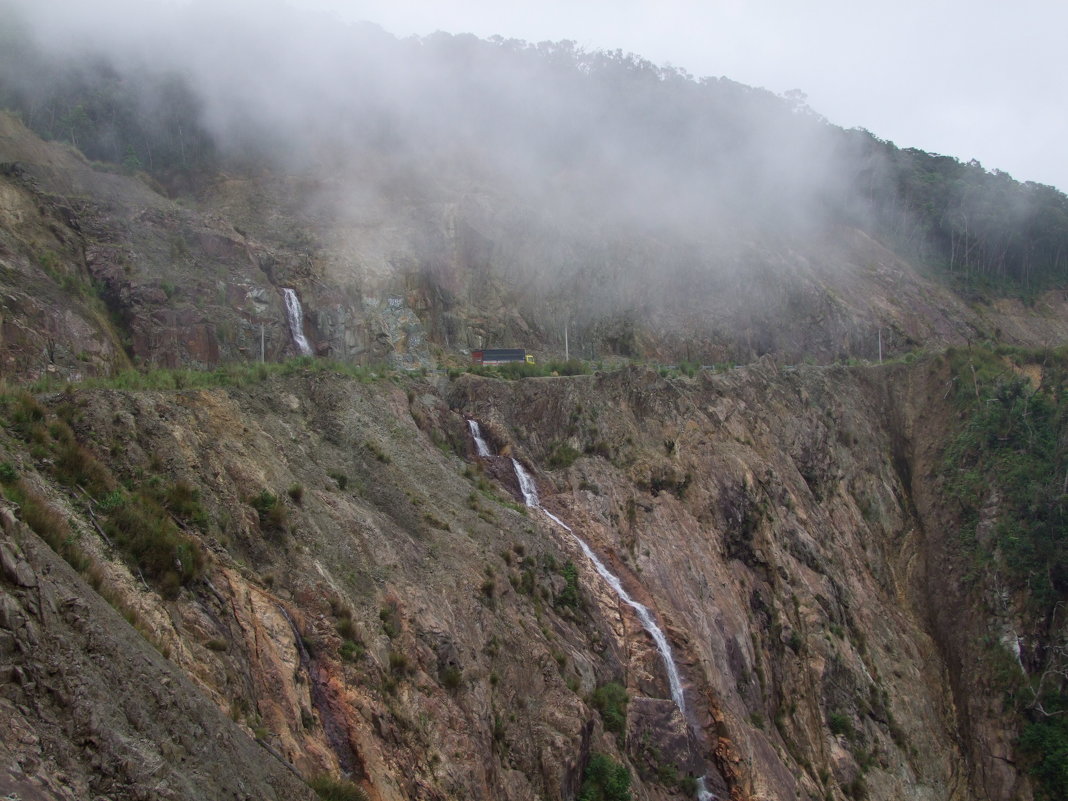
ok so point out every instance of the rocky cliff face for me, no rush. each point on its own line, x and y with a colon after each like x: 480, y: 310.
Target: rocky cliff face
x: 372, y: 600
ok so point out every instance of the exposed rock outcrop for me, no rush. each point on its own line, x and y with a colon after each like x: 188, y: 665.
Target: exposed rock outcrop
x: 402, y: 621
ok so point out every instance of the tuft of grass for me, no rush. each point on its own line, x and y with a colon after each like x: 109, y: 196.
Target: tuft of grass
x: 272, y: 512
x: 150, y: 540
x: 398, y: 663
x: 182, y: 500
x: 346, y: 628
x: 351, y: 650
x: 48, y: 523
x: 840, y: 724
x: 451, y: 677
x: 562, y: 455
x: 377, y: 452
x: 330, y: 789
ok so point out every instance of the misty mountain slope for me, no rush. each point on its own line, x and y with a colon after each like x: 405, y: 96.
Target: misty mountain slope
x: 498, y: 191
x: 861, y: 571
x: 392, y: 275
x: 371, y: 600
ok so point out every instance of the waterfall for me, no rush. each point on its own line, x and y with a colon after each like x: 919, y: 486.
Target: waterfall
x: 480, y: 444
x: 296, y: 321
x: 530, y: 496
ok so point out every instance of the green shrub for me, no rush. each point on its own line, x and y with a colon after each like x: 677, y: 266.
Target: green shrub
x: 562, y: 455
x: 182, y: 500
x: 1010, y: 442
x: 8, y: 473
x: 350, y: 650
x: 604, y: 780
x: 569, y: 595
x: 451, y: 677
x: 570, y: 367
x: 840, y: 724
x: 390, y: 618
x: 1044, y: 747
x: 611, y: 701
x: 272, y: 512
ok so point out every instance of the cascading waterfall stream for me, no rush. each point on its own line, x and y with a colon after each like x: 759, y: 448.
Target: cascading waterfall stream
x: 295, y: 314
x: 530, y: 496
x: 476, y: 434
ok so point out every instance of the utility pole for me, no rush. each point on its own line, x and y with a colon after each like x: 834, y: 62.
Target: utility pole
x: 567, y: 355
x: 262, y: 349
x: 880, y: 345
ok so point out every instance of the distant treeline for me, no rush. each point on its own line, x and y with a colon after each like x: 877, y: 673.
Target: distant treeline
x: 135, y: 118
x: 595, y: 128
x: 982, y: 226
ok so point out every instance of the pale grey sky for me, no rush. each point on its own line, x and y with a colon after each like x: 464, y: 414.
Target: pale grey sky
x: 982, y: 79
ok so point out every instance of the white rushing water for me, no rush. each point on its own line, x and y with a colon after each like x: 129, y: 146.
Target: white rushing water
x: 530, y: 495
x: 296, y: 321
x: 480, y: 444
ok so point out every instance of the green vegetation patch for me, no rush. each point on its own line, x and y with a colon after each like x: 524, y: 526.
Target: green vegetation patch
x: 569, y: 595
x: 144, y: 531
x: 330, y: 789
x: 518, y: 370
x: 604, y: 780
x: 611, y: 701
x: 1007, y: 469
x: 562, y: 455
x: 272, y: 511
x: 1014, y: 442
x: 138, y: 522
x: 1044, y: 746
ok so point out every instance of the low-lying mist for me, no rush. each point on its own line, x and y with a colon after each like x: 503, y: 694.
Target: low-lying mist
x: 607, y: 134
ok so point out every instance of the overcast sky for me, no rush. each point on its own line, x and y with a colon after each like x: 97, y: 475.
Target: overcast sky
x: 982, y: 79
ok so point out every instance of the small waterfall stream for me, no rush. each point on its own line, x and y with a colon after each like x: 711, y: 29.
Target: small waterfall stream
x: 295, y: 315
x: 530, y: 496
x: 476, y: 434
